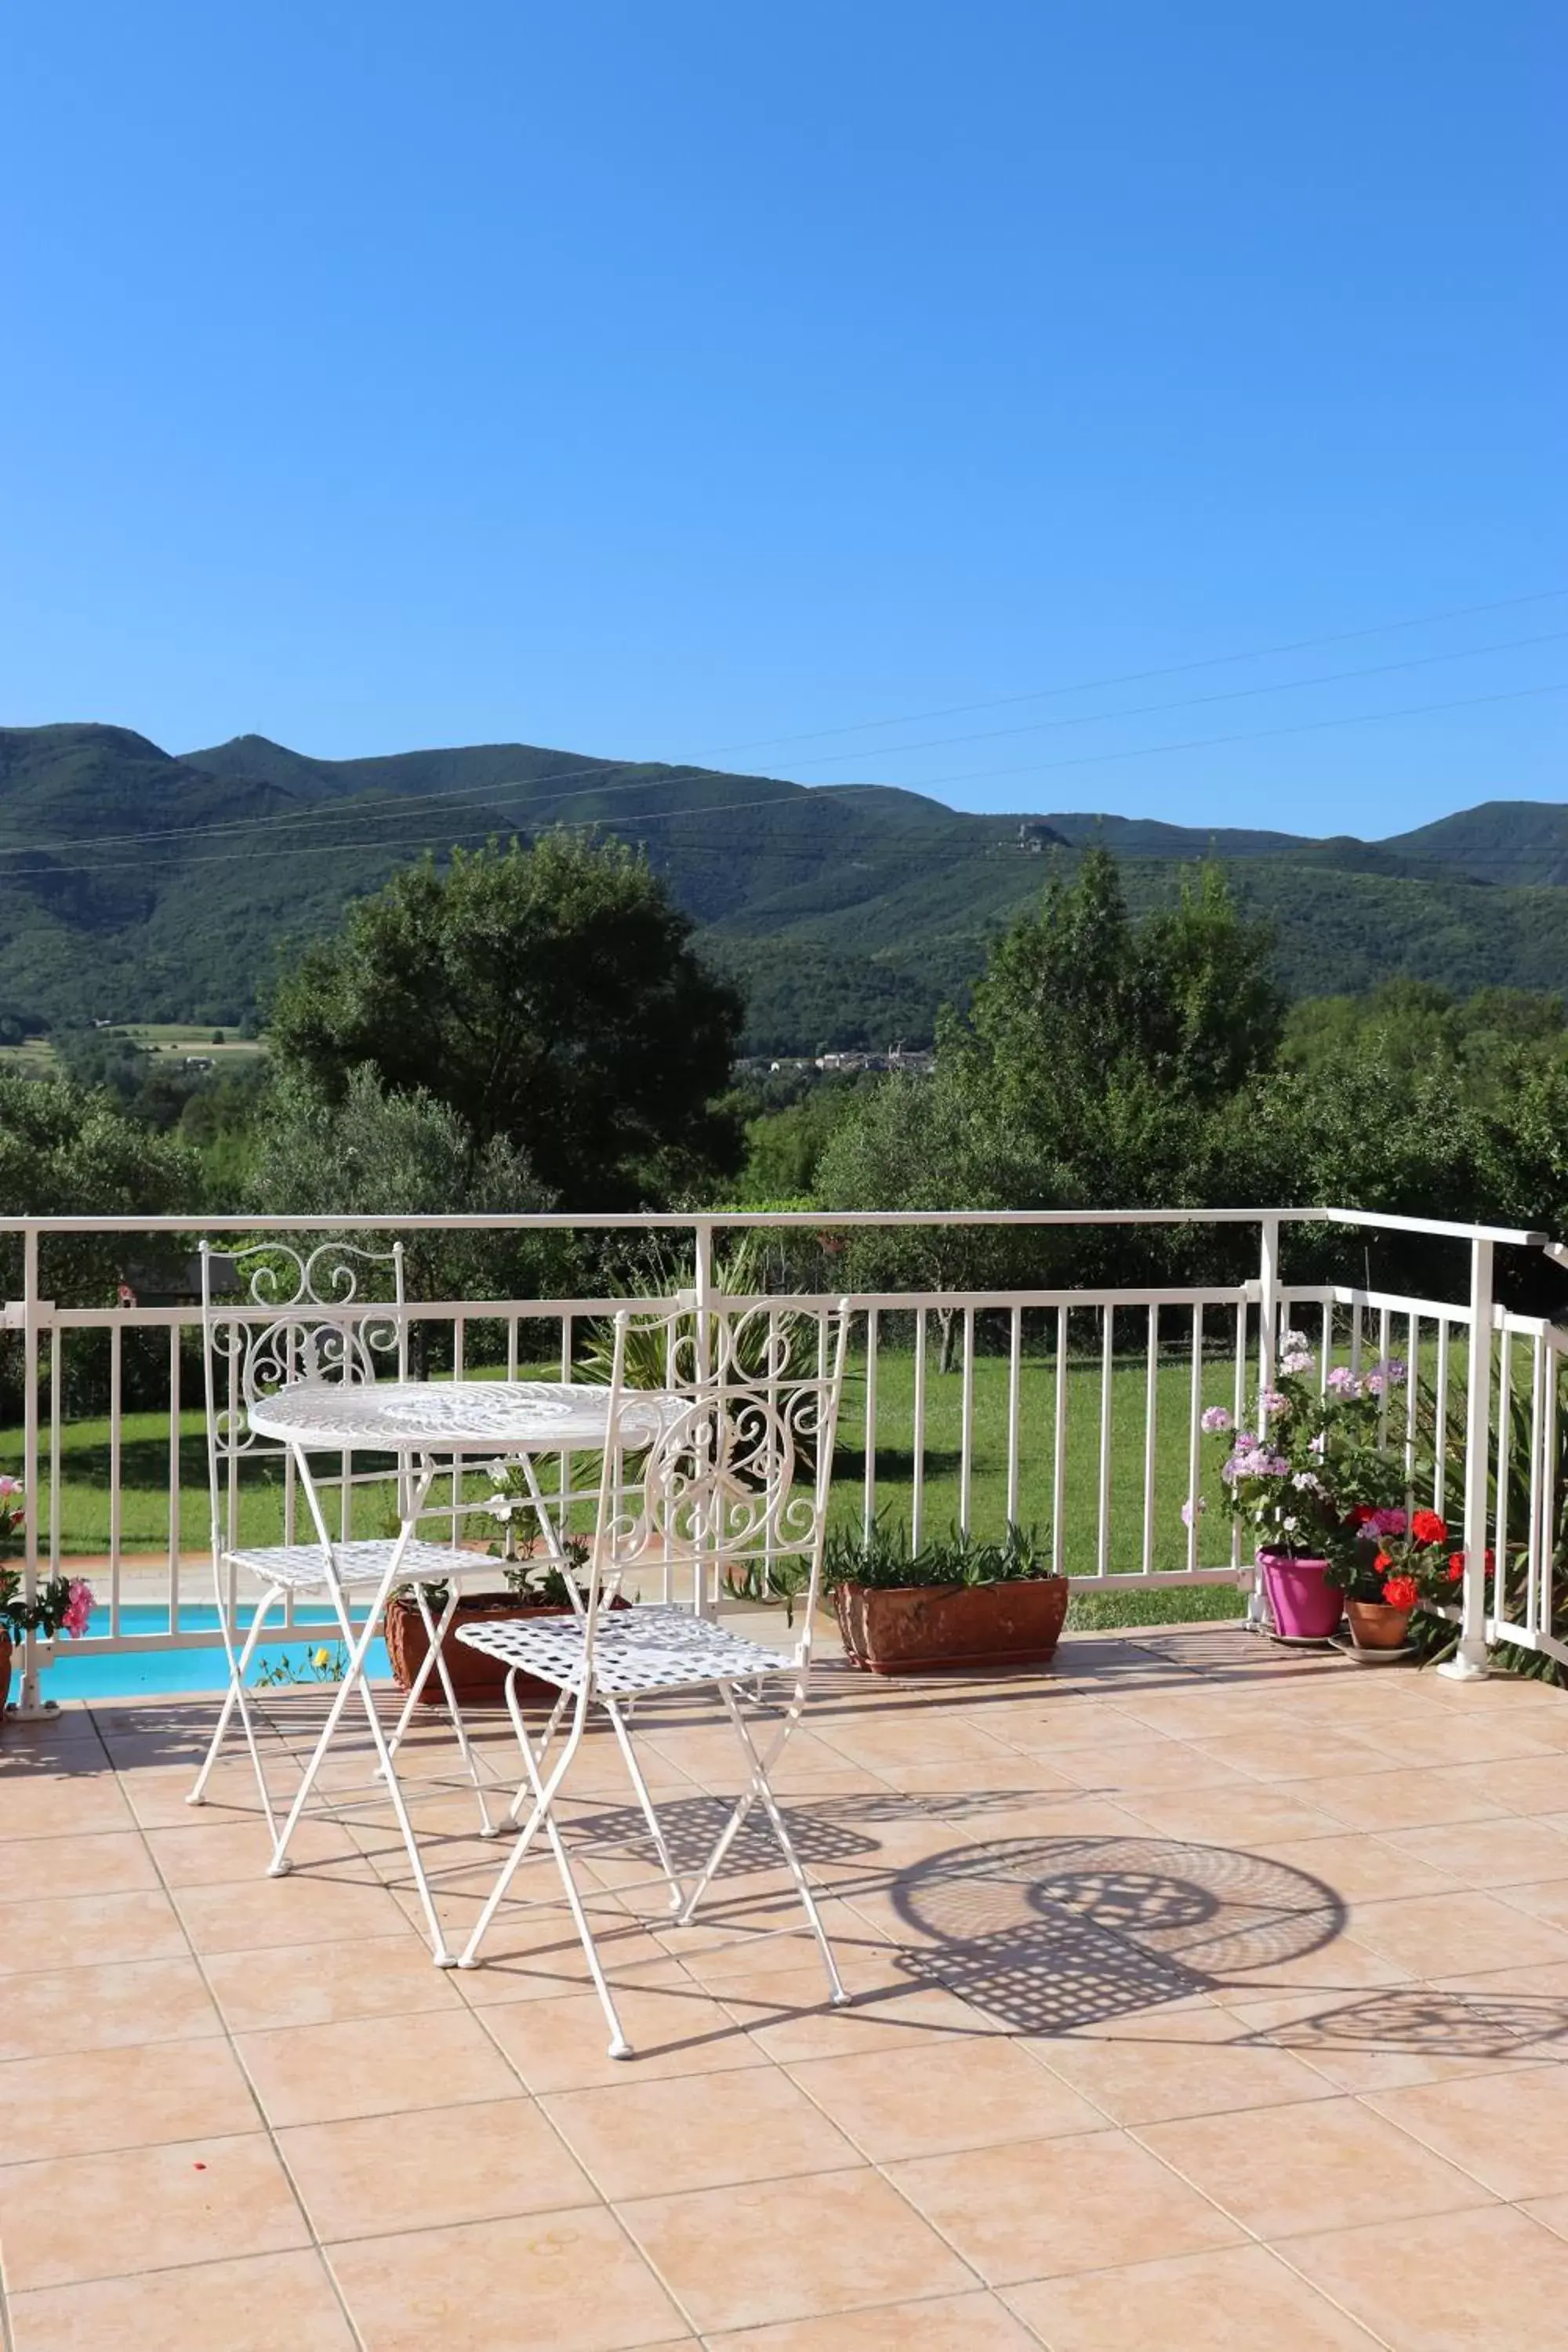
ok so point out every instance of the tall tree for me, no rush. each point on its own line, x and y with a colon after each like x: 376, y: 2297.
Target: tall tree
x: 551, y: 996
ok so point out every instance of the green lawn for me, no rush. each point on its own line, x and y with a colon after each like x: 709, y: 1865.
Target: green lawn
x: 86, y: 1464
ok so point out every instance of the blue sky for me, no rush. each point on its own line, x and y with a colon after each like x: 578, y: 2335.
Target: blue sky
x: 680, y: 382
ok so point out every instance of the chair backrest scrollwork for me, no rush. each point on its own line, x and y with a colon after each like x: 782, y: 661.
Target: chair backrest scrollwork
x: 314, y: 1315
x: 736, y: 1484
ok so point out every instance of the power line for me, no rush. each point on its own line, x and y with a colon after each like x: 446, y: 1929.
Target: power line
x: 1093, y: 758
x: 1140, y: 676
x: 499, y: 796
x: 1195, y: 702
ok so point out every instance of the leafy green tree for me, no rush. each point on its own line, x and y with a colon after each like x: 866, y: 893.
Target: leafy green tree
x: 376, y: 1153
x: 1077, y: 997
x: 550, y: 997
x: 66, y: 1150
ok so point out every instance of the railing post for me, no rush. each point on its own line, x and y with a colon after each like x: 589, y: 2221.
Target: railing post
x: 1468, y: 1663
x: 29, y: 1707
x: 1267, y: 1346
x: 1268, y: 1302
x: 703, y: 1603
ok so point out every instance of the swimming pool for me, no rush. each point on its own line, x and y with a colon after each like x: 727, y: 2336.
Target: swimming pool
x: 126, y: 1672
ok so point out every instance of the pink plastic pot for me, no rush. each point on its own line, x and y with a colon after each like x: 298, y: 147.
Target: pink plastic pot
x: 1304, y: 1608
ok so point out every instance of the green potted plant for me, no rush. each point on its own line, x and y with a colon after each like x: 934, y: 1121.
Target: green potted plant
x: 531, y: 1587
x: 956, y: 1605
x: 1393, y: 1561
x: 60, y: 1604
x: 1299, y: 1476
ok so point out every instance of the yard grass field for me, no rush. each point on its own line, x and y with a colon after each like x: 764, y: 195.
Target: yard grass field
x: 86, y: 1495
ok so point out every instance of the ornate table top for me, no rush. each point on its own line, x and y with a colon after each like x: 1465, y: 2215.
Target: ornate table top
x: 455, y: 1416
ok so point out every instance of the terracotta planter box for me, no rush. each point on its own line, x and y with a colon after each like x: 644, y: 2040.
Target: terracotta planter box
x: 477, y: 1679
x: 928, y: 1629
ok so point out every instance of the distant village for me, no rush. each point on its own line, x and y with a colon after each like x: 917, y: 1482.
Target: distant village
x: 917, y: 1063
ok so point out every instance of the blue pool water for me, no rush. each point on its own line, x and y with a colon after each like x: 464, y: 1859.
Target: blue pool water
x: 129, y: 1672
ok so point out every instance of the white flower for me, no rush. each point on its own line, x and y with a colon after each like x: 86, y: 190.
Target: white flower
x: 1296, y: 1339
x: 499, y: 1471
x: 1299, y: 1360
x: 1290, y: 1525
x: 1308, y: 1482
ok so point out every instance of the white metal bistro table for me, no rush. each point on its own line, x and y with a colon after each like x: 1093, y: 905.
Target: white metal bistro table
x: 426, y: 1423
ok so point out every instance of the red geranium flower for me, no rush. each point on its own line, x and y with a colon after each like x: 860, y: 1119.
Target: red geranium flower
x: 1456, y: 1566
x: 1361, y: 1513
x: 1402, y: 1592
x: 1382, y: 1562
x: 1427, y: 1528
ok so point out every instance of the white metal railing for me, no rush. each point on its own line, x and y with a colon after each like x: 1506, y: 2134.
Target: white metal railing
x: 1079, y: 1406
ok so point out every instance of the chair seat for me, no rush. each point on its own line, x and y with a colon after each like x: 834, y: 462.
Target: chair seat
x: 301, y: 1568
x: 675, y: 1650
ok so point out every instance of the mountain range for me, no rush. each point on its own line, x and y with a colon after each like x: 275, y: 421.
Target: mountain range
x: 147, y: 886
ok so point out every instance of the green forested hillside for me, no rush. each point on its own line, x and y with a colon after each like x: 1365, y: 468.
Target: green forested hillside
x: 144, y: 886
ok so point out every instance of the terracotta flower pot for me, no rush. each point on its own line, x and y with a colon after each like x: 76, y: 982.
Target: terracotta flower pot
x: 477, y: 1680
x: 1377, y: 1624
x: 1304, y: 1608
x: 966, y: 1628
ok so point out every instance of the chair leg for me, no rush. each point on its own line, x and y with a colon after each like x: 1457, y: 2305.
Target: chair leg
x: 435, y: 1655
x: 239, y: 1666
x: 543, y: 1817
x: 759, y: 1791
x: 656, y: 1828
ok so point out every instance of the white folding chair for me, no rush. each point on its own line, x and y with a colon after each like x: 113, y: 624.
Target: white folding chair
x: 308, y: 1317
x: 737, y: 1483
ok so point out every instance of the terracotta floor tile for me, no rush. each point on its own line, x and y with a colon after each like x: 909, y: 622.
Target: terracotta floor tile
x: 788, y: 2016
x: 639, y: 2138
x: 254, y: 2306
x: 1383, y: 1801
x: 569, y: 2280
x: 1490, y: 2280
x: 1433, y: 1935
x: 1366, y: 1869
x: 1508, y: 2130
x: 114, y: 1863
x: 1143, y: 2082
x: 325, y: 1984
x: 675, y: 2028
x: 776, y: 2259
x: 83, y: 1931
x: 960, y: 2323
x: 475, y: 2163
x: 1037, y: 2209
x: 241, y: 1850
x: 79, y: 2102
x: 1148, y: 1763
x: 99, y: 2008
x: 541, y: 1958
x: 1531, y: 1785
x: 85, y: 2217
x: 370, y: 2066
x: 1252, y: 1814
x: 1242, y: 2300
x: 1316, y: 1750
x: 78, y: 1804
x: 1545, y: 1899
x: 1334, y: 2165
x: 1387, y: 2040
x: 1486, y: 1854
x: 965, y: 2092
x: 159, y: 1796
x: 885, y: 1742
x: 251, y: 1914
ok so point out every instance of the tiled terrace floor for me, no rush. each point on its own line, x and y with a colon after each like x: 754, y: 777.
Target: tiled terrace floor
x: 1205, y: 1998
